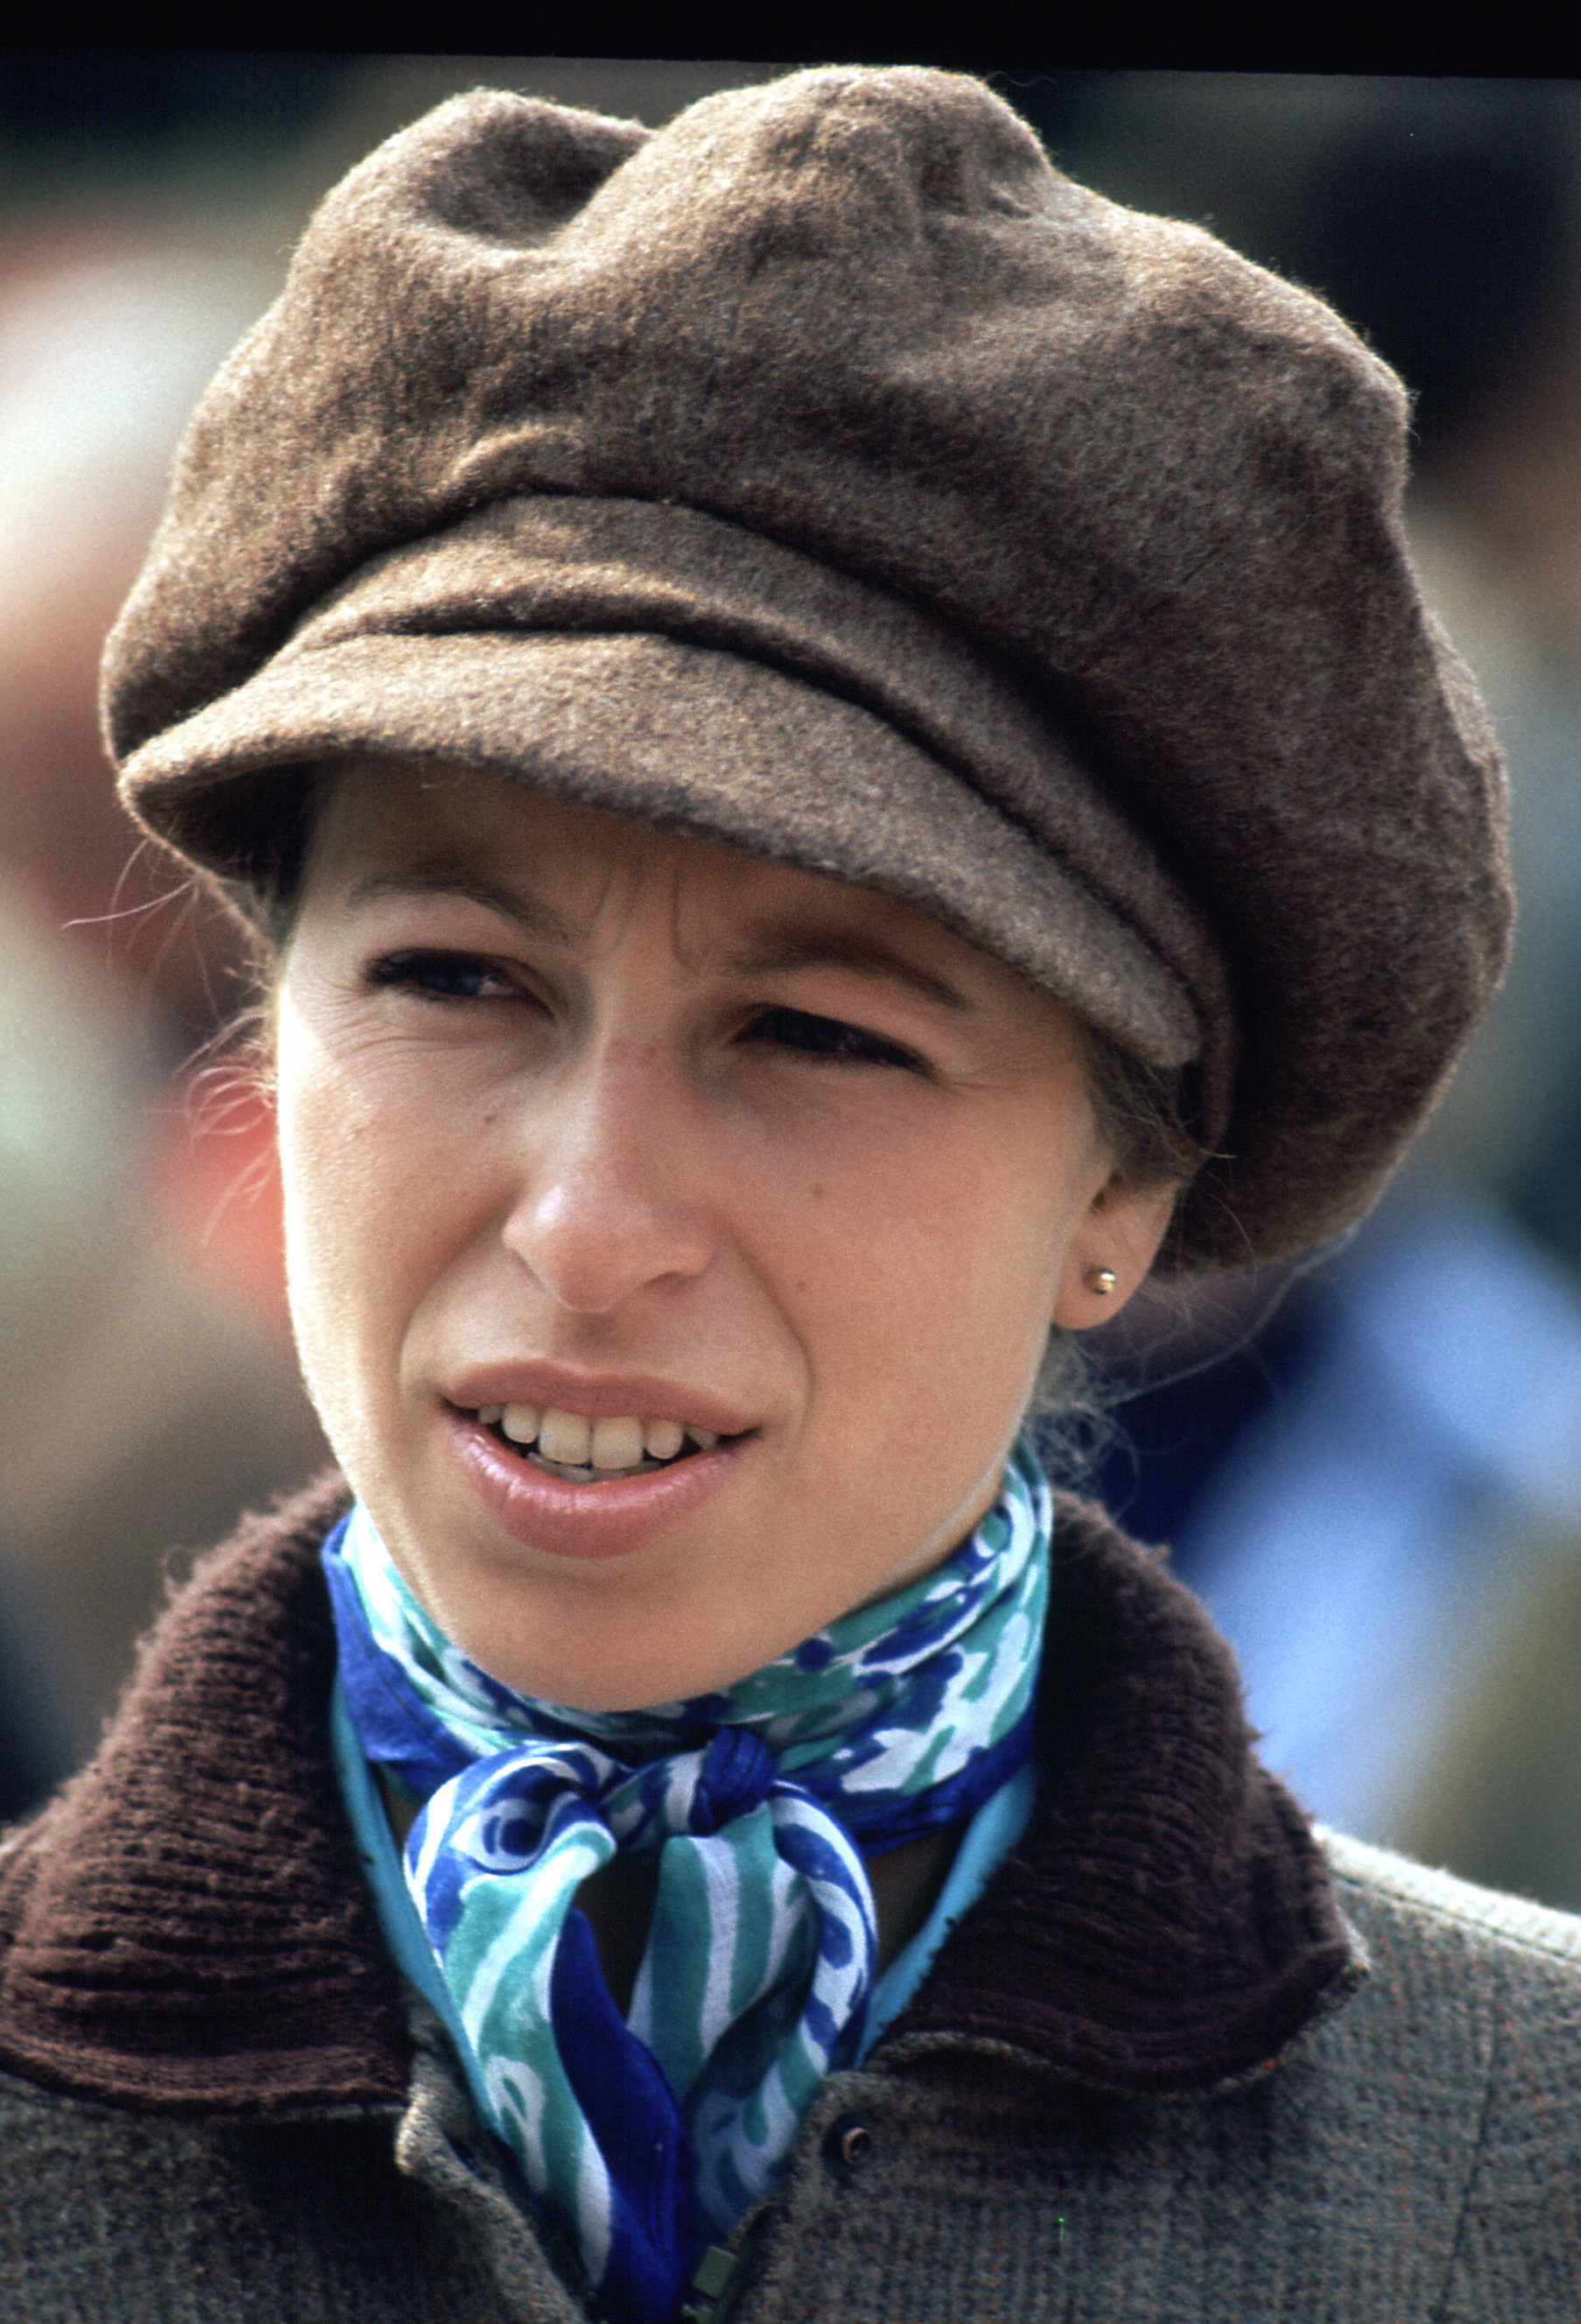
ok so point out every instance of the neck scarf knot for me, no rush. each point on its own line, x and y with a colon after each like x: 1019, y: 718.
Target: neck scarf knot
x: 639, y: 2135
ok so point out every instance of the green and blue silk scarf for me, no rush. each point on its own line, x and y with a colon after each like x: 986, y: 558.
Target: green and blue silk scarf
x: 643, y: 2136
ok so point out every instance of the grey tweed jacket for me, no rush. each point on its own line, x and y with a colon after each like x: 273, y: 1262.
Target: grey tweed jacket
x: 1182, y: 2064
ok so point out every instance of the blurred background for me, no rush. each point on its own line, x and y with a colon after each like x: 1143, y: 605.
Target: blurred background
x: 1370, y: 1467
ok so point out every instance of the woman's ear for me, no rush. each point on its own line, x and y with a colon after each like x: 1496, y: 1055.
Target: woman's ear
x: 1111, y: 1250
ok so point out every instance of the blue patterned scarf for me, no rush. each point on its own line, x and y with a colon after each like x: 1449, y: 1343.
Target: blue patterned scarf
x: 640, y: 2135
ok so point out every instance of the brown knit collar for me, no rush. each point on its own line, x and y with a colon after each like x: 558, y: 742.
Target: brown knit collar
x: 187, y: 1926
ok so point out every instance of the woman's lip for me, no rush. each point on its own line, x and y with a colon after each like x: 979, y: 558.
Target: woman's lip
x: 598, y: 1396
x: 603, y: 1520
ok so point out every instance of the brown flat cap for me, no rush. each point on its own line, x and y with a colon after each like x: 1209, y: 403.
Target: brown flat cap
x: 827, y: 475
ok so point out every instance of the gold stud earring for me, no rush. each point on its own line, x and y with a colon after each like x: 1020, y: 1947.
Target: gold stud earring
x: 1101, y: 1280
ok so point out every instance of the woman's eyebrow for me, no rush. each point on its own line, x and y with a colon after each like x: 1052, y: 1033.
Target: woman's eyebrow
x: 771, y: 949
x: 530, y: 912
x: 791, y: 949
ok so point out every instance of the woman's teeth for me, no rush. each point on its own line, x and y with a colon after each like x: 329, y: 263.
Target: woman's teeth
x: 570, y: 1440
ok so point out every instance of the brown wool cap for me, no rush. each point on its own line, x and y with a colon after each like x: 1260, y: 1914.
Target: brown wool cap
x: 826, y: 475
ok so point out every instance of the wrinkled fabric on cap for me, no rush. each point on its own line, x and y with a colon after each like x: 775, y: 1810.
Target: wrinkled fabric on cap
x: 856, y: 322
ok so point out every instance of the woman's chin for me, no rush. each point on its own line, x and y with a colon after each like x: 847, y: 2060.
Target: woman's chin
x: 617, y: 1517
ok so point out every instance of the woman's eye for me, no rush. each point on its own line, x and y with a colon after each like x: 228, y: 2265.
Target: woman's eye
x: 446, y: 975
x: 827, y: 1037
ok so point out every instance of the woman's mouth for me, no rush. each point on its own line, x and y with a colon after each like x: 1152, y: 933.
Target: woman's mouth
x: 581, y: 1485
x: 585, y: 1452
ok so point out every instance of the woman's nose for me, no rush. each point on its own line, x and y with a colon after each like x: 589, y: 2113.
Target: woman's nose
x: 609, y: 1208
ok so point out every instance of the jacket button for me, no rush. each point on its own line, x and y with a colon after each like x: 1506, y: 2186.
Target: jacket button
x: 849, y: 2142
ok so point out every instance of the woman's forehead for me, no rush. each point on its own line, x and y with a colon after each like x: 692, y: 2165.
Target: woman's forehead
x: 572, y: 875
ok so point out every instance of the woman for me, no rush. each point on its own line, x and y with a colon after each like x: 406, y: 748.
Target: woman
x: 834, y: 753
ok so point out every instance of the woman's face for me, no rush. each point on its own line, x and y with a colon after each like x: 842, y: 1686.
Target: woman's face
x: 604, y: 1130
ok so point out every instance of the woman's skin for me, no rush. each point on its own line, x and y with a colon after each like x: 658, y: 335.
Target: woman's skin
x: 579, y: 1115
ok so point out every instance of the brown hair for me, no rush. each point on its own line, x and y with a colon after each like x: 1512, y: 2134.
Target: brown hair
x: 1146, y: 1113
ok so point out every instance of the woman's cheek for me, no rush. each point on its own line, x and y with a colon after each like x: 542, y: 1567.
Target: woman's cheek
x: 924, y: 1287
x: 352, y: 1166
